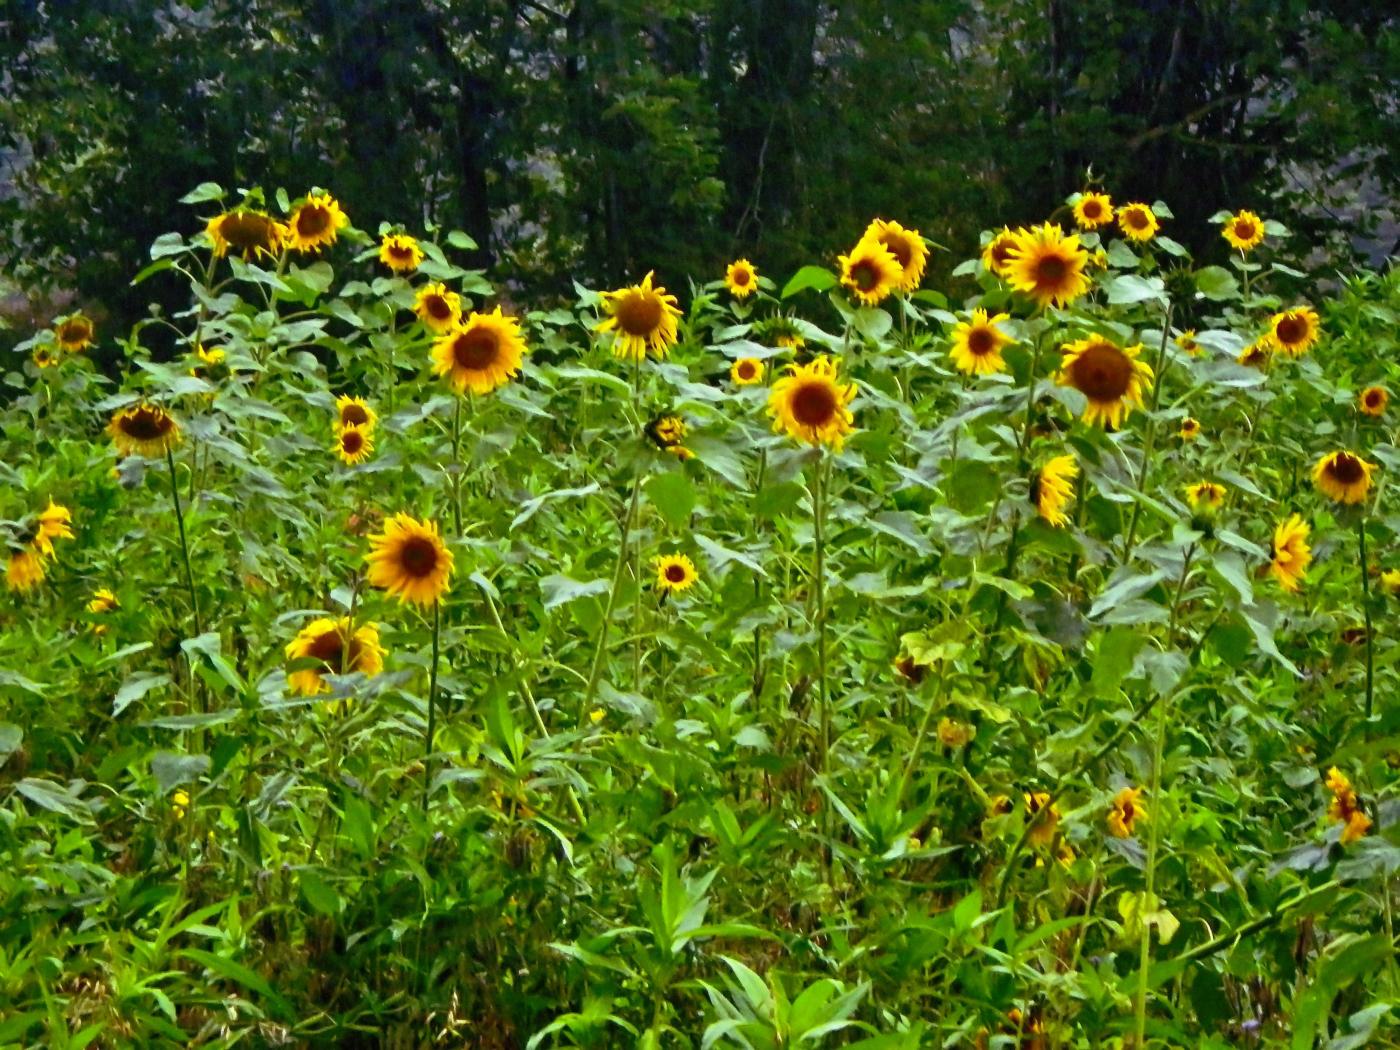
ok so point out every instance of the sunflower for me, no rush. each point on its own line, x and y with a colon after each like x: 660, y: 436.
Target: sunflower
x: 810, y: 404
x: 996, y: 253
x: 955, y: 733
x: 977, y: 344
x: 338, y: 650
x: 871, y: 272
x: 409, y: 560
x: 780, y: 332
x: 74, y: 333
x: 211, y: 358
x: 315, y: 223
x: 1255, y: 355
x: 674, y: 573
x: 102, y: 601
x: 746, y: 371
x: 1373, y: 400
x: 741, y: 278
x: 1052, y: 487
x: 354, y: 412
x: 144, y: 430
x: 1205, y: 495
x: 1291, y: 553
x: 905, y: 245
x: 438, y: 308
x: 245, y: 232
x: 1244, y: 230
x: 482, y: 354
x: 1125, y: 812
x: 1345, y: 808
x: 1293, y: 331
x: 1044, y: 817
x: 25, y: 570
x: 400, y: 252
x: 1137, y: 222
x: 1190, y: 429
x: 642, y: 318
x: 1344, y: 476
x: 1093, y: 210
x: 44, y: 357
x: 1110, y: 376
x: 353, y: 444
x: 54, y: 524
x: 1187, y: 341
x: 1047, y: 266
x: 1390, y: 581
x: 666, y: 432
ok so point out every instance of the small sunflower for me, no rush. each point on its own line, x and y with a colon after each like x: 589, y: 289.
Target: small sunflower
x: 144, y: 430
x: 1125, y: 812
x: 905, y: 245
x: 1291, y: 553
x: 354, y: 412
x: 1255, y: 355
x: 1043, y: 816
x: 1293, y: 331
x: 55, y: 523
x: 1110, y: 376
x: 810, y: 403
x: 1187, y: 341
x: 25, y: 570
x: 102, y: 601
x: 400, y: 252
x: 746, y: 371
x: 1244, y: 230
x: 1345, y: 807
x: 642, y: 319
x: 667, y: 432
x: 353, y: 444
x: 1390, y: 581
x: 674, y: 573
x: 245, y: 232
x: 1190, y: 429
x: 74, y: 333
x: 1205, y: 495
x: 409, y: 560
x: 338, y: 650
x: 977, y: 344
x: 1052, y: 487
x: 315, y: 223
x: 1373, y: 400
x: 871, y: 272
x: 1048, y: 266
x: 996, y: 253
x: 44, y: 356
x: 210, y: 358
x: 1093, y: 210
x: 1137, y: 222
x: 741, y: 278
x: 438, y: 308
x: 955, y: 733
x: 1344, y: 476
x: 482, y: 354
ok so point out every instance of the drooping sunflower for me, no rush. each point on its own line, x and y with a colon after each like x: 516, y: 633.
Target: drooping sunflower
x: 144, y: 430
x: 871, y: 272
x: 1052, y: 488
x: 74, y: 333
x: 353, y: 444
x: 1345, y: 807
x: 906, y: 246
x: 1187, y: 341
x: 1125, y: 812
x: 1137, y: 222
x: 315, y: 223
x: 24, y: 570
x: 1205, y: 495
x: 977, y: 344
x: 1093, y: 210
x: 996, y: 253
x: 666, y: 432
x: 1110, y: 376
x: 810, y: 403
x: 245, y: 232
x: 44, y: 356
x: 338, y: 650
x: 1344, y: 476
x: 410, y: 560
x: 55, y: 523
x: 354, y: 412
x: 674, y: 573
x: 746, y: 371
x: 1255, y: 355
x: 1043, y: 816
x: 1373, y: 400
x: 1047, y: 266
x: 1291, y: 553
x: 483, y: 353
x: 102, y: 601
x: 1293, y: 331
x: 1244, y: 230
x: 400, y: 252
x: 1190, y: 429
x: 741, y: 278
x: 437, y: 307
x: 642, y: 319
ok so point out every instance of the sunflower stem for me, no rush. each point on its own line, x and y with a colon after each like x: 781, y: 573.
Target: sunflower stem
x: 1149, y: 438
x: 457, y: 465
x: 184, y: 540
x: 1148, y: 896
x: 432, y: 705
x: 622, y: 550
x: 1366, y: 612
x: 919, y: 737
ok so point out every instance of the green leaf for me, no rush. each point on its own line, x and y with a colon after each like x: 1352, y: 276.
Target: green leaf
x: 134, y: 688
x: 239, y: 974
x: 171, y: 768
x: 319, y: 893
x: 56, y: 798
x: 1217, y: 283
x: 1130, y: 288
x: 559, y: 589
x: 673, y: 496
x: 1114, y: 658
x: 817, y: 278
x: 205, y: 191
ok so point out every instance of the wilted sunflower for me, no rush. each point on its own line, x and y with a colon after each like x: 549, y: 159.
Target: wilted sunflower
x: 1187, y: 341
x: 1244, y: 230
x: 1293, y: 331
x: 905, y: 245
x: 1110, y: 376
x: 400, y: 252
x: 144, y: 430
x: 44, y: 356
x: 977, y: 344
x: 674, y: 573
x: 1052, y: 487
x: 871, y: 272
x: 1138, y: 222
x: 245, y: 232
x: 746, y: 371
x: 315, y: 223
x: 1043, y: 817
x: 338, y: 650
x: 741, y: 278
x: 1205, y: 495
x: 1344, y: 476
x: 996, y: 253
x: 1255, y: 355
x: 1345, y: 808
x: 810, y: 403
x: 642, y: 318
x: 1190, y: 429
x: 54, y: 524
x: 1047, y: 266
x: 24, y: 570
x: 1291, y: 553
x: 409, y: 560
x: 1125, y: 812
x: 437, y: 307
x: 481, y: 355
x: 353, y: 444
x: 74, y: 333
x: 354, y: 412
x: 1093, y: 210
x: 1373, y: 400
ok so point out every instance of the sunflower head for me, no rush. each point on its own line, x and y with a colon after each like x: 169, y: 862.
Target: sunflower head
x: 353, y: 444
x: 1125, y: 812
x: 955, y: 733
x: 810, y: 403
x: 1190, y: 429
x: 1137, y: 222
x: 741, y: 278
x: 996, y: 253
x: 208, y: 358
x: 1291, y: 553
x: 977, y: 344
x: 1343, y: 476
x: 410, y: 560
x: 1093, y: 210
x: 746, y: 371
x: 354, y: 412
x: 74, y: 333
x: 1052, y: 488
x: 102, y: 601
x: 1244, y: 230
x: 871, y: 272
x: 245, y: 232
x: 642, y: 319
x: 1044, y: 817
x: 24, y: 570
x: 1293, y: 331
x: 674, y: 573
x: 1207, y: 496
x: 1255, y: 355
x: 400, y: 252
x: 1048, y: 266
x: 484, y: 352
x: 1109, y: 376
x: 144, y: 430
x: 44, y: 356
x: 667, y: 432
x: 328, y: 646
x: 439, y: 308
x: 907, y: 247
x: 315, y: 223
x: 1373, y: 400
x: 55, y: 523
x: 1187, y: 341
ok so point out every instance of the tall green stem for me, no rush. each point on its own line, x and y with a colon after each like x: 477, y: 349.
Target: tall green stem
x: 432, y: 705
x: 1149, y: 892
x: 184, y: 541
x: 819, y: 569
x: 623, y: 549
x: 1149, y: 436
x: 1366, y: 612
x: 457, y: 464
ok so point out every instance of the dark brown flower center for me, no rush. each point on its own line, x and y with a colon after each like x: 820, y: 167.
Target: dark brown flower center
x: 1092, y: 209
x: 746, y: 370
x: 401, y: 252
x: 1291, y: 329
x: 741, y: 276
x: 865, y: 275
x: 475, y: 349
x: 1102, y: 372
x: 247, y: 231
x: 675, y: 573
x: 1373, y: 398
x: 75, y: 330
x: 353, y: 415
x: 1137, y: 219
x: 1346, y: 468
x: 814, y: 404
x: 1244, y: 229
x: 639, y: 313
x: 1128, y: 811
x: 899, y: 247
x: 352, y: 441
x: 146, y: 424
x: 981, y: 341
x: 418, y: 556
x: 1050, y: 270
x: 313, y: 220
x: 438, y: 307
x: 1001, y: 252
